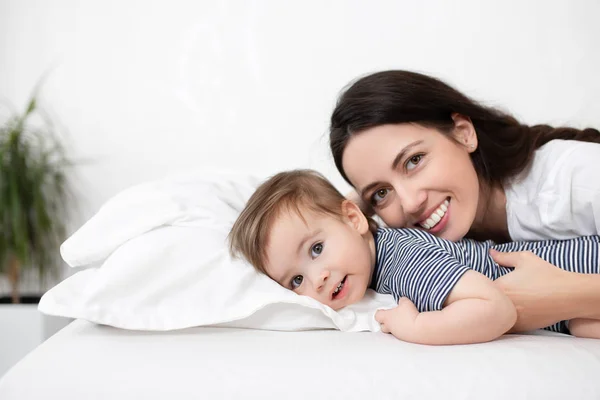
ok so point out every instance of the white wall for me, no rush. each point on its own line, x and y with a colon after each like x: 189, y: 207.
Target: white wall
x: 147, y: 88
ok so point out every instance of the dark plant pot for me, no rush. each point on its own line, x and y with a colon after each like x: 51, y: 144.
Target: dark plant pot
x: 29, y: 299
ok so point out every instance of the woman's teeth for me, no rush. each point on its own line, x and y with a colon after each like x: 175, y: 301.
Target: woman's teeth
x: 436, y: 216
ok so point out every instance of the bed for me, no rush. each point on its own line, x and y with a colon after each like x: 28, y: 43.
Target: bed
x: 154, y: 277
x: 90, y: 361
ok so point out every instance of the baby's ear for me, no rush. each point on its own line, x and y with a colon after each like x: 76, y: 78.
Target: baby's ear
x: 355, y: 216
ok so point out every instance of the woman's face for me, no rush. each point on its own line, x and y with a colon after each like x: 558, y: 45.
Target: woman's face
x: 415, y: 176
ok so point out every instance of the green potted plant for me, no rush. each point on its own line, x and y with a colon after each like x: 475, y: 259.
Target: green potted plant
x: 33, y: 196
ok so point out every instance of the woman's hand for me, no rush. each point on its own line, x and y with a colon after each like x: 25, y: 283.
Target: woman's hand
x: 544, y: 294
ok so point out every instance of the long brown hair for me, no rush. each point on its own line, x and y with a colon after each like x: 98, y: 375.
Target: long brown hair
x: 505, y: 146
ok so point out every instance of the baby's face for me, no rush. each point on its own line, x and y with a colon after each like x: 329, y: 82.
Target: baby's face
x: 323, y: 257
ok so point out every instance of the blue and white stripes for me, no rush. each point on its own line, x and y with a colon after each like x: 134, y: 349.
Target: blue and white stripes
x: 415, y: 264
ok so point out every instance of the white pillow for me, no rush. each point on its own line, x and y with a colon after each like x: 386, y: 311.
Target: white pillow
x: 157, y: 259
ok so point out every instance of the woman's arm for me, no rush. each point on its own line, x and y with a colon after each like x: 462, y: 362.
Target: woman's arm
x: 475, y: 311
x: 544, y: 294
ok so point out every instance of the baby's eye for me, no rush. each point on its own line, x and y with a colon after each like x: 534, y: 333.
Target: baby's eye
x: 316, y: 250
x: 379, y: 196
x: 412, y: 162
x: 297, y: 281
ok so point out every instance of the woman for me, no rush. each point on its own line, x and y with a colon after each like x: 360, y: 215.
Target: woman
x: 421, y: 154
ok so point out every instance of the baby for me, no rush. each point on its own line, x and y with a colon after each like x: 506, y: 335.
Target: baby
x: 304, y: 234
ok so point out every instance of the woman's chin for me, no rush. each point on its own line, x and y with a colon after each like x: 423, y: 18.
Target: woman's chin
x: 453, y: 235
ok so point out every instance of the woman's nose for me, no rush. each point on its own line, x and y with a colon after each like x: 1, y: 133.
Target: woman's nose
x: 413, y: 201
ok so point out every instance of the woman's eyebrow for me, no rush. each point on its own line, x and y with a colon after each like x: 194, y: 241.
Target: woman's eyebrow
x: 368, y: 188
x: 399, y: 157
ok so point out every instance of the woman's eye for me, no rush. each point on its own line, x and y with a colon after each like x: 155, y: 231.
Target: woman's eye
x: 379, y: 196
x: 297, y: 281
x: 413, y: 161
x: 316, y: 250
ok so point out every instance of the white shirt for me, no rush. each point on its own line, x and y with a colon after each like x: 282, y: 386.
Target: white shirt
x: 558, y: 197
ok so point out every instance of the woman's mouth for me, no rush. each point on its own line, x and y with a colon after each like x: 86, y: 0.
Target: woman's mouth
x: 437, y: 219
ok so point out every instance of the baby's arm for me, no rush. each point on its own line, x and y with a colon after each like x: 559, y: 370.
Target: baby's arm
x: 475, y: 311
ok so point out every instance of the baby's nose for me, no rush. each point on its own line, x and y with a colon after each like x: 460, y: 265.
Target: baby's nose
x: 321, y: 279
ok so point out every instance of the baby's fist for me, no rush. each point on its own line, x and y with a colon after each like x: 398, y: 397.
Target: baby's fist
x: 399, y: 319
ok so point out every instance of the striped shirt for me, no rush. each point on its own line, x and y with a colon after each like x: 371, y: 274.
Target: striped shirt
x: 424, y: 268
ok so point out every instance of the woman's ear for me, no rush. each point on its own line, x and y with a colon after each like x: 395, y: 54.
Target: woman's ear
x: 464, y: 132
x: 355, y: 217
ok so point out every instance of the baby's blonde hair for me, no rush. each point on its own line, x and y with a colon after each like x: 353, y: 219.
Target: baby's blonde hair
x: 286, y: 191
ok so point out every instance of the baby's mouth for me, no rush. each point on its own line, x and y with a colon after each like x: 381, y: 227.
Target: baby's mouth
x: 339, y: 288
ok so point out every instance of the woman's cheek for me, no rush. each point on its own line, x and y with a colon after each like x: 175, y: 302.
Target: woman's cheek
x: 459, y: 226
x: 392, y: 216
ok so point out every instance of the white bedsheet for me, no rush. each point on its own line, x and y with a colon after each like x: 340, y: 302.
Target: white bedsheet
x: 87, y: 361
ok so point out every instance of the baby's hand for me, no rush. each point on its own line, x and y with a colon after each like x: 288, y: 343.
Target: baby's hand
x: 400, y: 320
